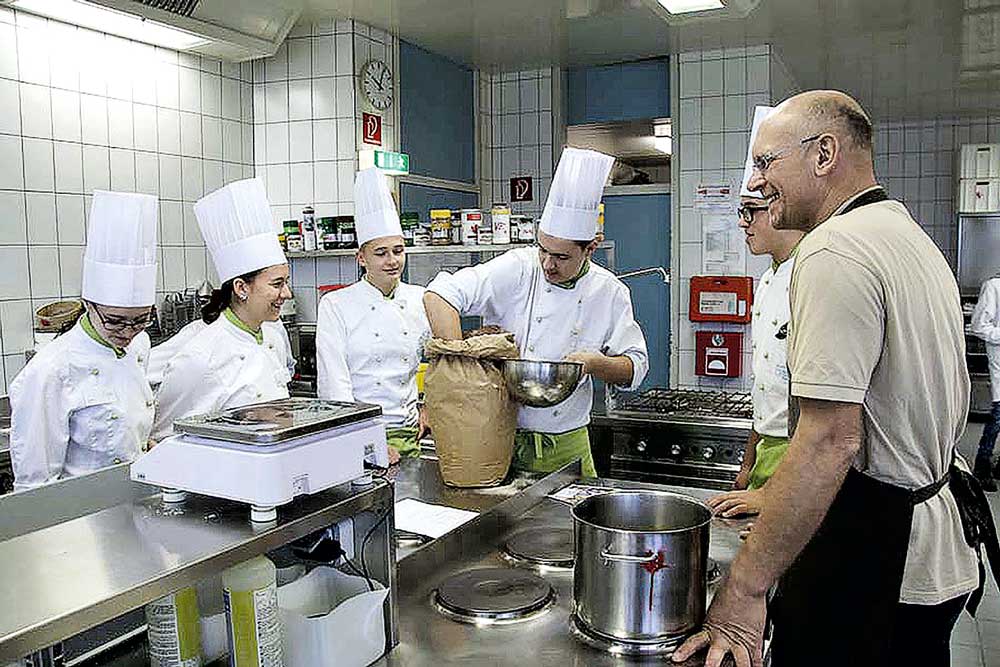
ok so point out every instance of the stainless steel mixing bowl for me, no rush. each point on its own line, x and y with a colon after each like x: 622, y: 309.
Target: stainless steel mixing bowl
x: 541, y: 384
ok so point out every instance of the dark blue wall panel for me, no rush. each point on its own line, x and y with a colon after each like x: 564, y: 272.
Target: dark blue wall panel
x: 422, y: 199
x: 626, y: 91
x: 437, y: 126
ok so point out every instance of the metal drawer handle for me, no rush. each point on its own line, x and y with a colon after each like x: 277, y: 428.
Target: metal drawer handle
x: 608, y: 556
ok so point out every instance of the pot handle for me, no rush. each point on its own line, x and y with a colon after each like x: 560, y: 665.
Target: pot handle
x: 608, y: 556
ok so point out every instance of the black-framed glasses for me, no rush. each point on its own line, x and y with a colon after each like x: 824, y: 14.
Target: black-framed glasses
x: 747, y: 211
x: 762, y: 162
x: 115, y: 324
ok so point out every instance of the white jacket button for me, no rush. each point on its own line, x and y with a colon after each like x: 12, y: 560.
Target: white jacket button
x: 94, y: 371
x: 243, y: 357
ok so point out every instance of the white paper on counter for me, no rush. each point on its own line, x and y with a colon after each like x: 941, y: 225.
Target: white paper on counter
x: 574, y: 493
x: 431, y: 520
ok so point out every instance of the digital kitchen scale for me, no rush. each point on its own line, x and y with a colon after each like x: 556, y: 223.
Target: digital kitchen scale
x: 266, y: 454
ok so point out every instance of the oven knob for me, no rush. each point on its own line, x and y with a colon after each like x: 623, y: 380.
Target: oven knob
x: 640, y: 446
x: 675, y: 450
x: 708, y: 453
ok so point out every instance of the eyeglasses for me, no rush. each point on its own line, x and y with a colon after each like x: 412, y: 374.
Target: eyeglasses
x: 762, y: 162
x: 114, y: 324
x: 747, y: 211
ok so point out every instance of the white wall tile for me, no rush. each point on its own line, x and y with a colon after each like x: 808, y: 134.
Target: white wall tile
x: 211, y: 94
x: 65, y: 115
x: 120, y: 127
x: 275, y: 102
x: 70, y: 270
x: 231, y: 99
x: 33, y: 56
x: 169, y: 169
x: 93, y: 78
x: 232, y: 141
x: 324, y: 58
x: 122, y: 169
x: 324, y: 133
x: 44, y: 271
x: 173, y: 269
x: 735, y: 76
x: 345, y: 139
x: 324, y: 98
x: 14, y: 229
x: 690, y: 79
x: 16, y: 321
x: 36, y: 111
x: 299, y: 100
x: 735, y: 113
x: 96, y: 168
x: 192, y: 235
x: 213, y: 175
x: 345, y: 180
x: 38, y: 165
x: 190, y: 90
x: 212, y: 137
x: 689, y: 117
x: 68, y: 167
x: 325, y: 181
x: 711, y: 77
x: 345, y: 97
x: 168, y: 131
x: 8, y: 51
x: 191, y: 144
x: 192, y: 184
x: 711, y: 114
x: 277, y: 184
x: 345, y: 54
x: 147, y: 173
x: 301, y: 175
x: 40, y: 212
x: 144, y: 127
x: 276, y: 67
x: 758, y: 71
x: 10, y: 114
x: 299, y: 58
x: 14, y: 278
x: 94, y: 119
x: 171, y: 223
x: 195, y: 266
x: 276, y: 136
x: 300, y: 141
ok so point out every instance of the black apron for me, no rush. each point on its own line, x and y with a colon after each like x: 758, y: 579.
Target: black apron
x: 836, y: 604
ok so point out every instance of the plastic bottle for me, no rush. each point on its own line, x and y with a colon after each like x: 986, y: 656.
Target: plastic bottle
x: 251, y: 597
x: 174, y: 630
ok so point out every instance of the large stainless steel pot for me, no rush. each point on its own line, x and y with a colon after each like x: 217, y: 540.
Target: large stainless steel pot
x: 641, y: 562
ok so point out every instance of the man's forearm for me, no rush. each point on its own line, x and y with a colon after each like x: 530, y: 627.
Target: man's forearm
x: 749, y: 458
x: 799, y: 493
x: 443, y: 318
x: 614, y: 370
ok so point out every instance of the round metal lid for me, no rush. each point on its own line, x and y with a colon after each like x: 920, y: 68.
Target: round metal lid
x: 493, y: 594
x: 542, y: 546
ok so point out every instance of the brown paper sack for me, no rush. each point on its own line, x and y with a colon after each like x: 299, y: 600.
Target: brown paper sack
x: 469, y: 408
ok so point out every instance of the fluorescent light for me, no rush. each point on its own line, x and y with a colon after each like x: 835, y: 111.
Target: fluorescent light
x: 107, y: 20
x: 685, y: 6
x: 662, y: 130
x: 664, y: 145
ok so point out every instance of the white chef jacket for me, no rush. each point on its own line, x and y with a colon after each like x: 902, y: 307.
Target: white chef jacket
x: 222, y: 367
x: 77, y: 407
x: 985, y: 324
x: 769, y: 336
x: 368, y: 347
x: 594, y: 315
x: 165, y: 351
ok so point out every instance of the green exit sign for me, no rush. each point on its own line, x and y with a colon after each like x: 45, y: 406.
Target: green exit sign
x: 397, y: 164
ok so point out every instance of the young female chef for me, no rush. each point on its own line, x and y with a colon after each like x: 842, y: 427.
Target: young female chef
x: 369, y: 336
x: 83, y: 403
x: 558, y: 305
x: 234, y: 361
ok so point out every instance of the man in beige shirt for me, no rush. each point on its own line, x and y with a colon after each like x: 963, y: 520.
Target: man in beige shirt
x: 860, y: 528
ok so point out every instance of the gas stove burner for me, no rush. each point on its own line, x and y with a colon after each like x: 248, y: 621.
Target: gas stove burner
x: 543, y: 548
x: 615, y: 646
x: 493, y: 595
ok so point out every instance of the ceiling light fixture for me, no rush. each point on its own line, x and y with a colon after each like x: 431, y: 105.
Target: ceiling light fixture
x: 688, y: 6
x: 103, y: 19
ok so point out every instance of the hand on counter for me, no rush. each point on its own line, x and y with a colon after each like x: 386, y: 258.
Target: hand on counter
x: 734, y: 626
x: 737, y: 503
x: 393, y: 456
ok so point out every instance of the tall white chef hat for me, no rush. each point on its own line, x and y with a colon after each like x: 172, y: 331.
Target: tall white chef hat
x: 571, y: 208
x: 375, y: 212
x: 119, y: 265
x: 759, y: 114
x: 235, y: 222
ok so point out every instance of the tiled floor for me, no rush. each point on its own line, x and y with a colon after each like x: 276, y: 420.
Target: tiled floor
x: 976, y: 641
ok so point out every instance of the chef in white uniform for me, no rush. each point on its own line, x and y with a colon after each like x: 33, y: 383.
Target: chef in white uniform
x: 369, y: 336
x: 985, y: 324
x: 235, y: 360
x: 559, y: 305
x: 768, y: 438
x: 83, y: 403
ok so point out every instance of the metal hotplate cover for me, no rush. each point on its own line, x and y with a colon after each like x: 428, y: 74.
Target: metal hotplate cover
x: 276, y: 421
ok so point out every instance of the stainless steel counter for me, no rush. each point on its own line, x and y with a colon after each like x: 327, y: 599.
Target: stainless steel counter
x: 64, y: 575
x: 429, y: 639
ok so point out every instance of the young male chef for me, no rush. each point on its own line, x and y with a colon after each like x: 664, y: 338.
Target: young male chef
x: 559, y: 305
x: 83, y: 403
x: 769, y: 334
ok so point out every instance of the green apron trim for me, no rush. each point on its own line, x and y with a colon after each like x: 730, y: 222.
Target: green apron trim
x: 546, y: 452
x: 242, y: 326
x: 404, y: 441
x: 770, y: 451
x: 571, y: 283
x: 88, y: 326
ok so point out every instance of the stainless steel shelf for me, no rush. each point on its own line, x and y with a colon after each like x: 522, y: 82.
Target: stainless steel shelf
x: 430, y: 250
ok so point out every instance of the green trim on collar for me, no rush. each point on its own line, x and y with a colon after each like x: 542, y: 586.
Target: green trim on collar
x: 242, y: 326
x: 571, y: 283
x: 88, y: 326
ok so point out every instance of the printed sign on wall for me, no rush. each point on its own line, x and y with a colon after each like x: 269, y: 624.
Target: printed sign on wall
x: 372, y: 128
x: 520, y: 188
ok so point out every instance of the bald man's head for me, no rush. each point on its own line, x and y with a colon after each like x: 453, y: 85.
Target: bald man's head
x: 830, y: 111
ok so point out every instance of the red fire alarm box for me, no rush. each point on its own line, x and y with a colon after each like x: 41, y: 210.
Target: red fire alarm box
x: 721, y: 299
x: 718, y: 354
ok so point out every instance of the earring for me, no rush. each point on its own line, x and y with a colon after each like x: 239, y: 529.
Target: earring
x: 244, y: 297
